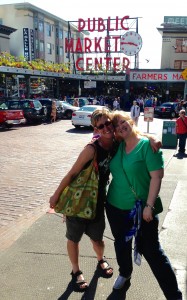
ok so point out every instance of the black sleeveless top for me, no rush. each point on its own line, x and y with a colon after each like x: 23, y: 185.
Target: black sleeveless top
x: 103, y: 160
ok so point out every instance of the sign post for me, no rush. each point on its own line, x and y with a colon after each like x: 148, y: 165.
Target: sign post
x: 148, y: 116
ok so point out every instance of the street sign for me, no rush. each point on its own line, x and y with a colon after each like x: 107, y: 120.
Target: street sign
x: 148, y: 114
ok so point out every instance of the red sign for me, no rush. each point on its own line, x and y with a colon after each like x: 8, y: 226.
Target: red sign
x: 97, y: 44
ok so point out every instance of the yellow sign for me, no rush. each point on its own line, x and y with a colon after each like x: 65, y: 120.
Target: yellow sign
x: 184, y: 74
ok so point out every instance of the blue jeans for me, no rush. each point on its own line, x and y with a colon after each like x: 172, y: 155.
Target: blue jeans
x: 149, y: 246
x: 182, y: 142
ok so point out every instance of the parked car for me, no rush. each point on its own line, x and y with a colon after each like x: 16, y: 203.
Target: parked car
x: 68, y: 109
x: 166, y: 109
x: 9, y: 117
x: 82, y: 117
x: 82, y: 101
x: 32, y: 109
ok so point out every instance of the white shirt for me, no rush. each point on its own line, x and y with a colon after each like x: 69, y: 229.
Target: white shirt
x: 135, y: 111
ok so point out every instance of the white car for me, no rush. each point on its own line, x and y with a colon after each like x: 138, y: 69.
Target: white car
x: 82, y: 117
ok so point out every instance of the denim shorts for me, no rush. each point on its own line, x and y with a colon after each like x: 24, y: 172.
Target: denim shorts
x: 76, y: 227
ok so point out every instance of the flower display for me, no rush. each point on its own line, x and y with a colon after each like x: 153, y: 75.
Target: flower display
x: 8, y: 60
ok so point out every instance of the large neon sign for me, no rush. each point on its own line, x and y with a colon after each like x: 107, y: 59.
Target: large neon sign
x: 101, y: 44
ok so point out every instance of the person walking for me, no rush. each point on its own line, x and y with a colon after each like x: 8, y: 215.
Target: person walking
x: 130, y: 207
x: 53, y: 111
x: 181, y: 130
x: 135, y: 112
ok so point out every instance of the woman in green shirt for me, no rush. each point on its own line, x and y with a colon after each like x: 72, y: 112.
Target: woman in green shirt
x: 137, y: 173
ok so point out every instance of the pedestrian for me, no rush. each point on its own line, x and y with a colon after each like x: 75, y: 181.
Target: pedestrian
x: 115, y: 104
x: 53, y: 111
x: 181, y: 130
x: 135, y: 112
x: 76, y: 227
x: 106, y: 147
x: 137, y: 174
x: 180, y: 105
x: 76, y: 102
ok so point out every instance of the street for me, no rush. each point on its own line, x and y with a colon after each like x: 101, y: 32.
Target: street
x: 33, y: 161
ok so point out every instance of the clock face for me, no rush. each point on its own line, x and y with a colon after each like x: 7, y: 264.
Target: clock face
x: 131, y: 43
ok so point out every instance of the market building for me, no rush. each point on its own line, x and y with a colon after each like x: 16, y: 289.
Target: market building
x: 41, y: 35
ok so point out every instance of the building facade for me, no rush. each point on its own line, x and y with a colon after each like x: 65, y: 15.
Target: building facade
x: 39, y: 35
x: 174, y: 42
x: 5, y: 32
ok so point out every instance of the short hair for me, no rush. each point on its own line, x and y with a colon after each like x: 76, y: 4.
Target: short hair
x: 182, y: 111
x: 98, y: 114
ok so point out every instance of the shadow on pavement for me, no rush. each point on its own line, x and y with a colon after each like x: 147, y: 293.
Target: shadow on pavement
x: 121, y: 293
x: 83, y: 130
x: 89, y: 294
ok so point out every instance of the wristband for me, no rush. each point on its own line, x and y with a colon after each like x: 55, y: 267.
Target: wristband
x: 151, y: 207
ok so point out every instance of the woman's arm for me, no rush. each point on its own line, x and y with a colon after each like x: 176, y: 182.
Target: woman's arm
x: 154, y: 188
x: 85, y: 156
x: 154, y: 141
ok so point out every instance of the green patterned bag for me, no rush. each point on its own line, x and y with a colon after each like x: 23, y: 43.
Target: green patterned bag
x: 79, y: 199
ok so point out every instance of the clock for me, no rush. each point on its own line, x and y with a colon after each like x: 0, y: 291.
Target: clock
x: 130, y: 43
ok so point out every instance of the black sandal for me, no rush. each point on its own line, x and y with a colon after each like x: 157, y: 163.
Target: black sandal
x: 78, y: 283
x: 104, y: 272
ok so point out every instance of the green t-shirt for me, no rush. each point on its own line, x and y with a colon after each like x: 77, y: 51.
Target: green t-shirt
x: 137, y: 164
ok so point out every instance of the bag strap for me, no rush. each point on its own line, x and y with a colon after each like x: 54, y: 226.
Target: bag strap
x: 130, y: 185
x: 95, y: 155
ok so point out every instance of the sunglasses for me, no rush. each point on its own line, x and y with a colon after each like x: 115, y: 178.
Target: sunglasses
x: 101, y: 126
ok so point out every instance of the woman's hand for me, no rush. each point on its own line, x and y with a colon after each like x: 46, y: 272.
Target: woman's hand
x: 53, y: 201
x: 147, y: 214
x: 155, y: 144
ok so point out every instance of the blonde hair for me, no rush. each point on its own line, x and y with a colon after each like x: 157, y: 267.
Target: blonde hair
x: 98, y: 114
x: 120, y: 113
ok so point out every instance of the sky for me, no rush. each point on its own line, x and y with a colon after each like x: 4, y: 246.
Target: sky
x: 150, y: 13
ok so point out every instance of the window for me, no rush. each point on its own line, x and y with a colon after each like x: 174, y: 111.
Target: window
x: 181, y: 46
x: 61, y: 51
x: 180, y: 64
x: 36, y: 44
x: 60, y: 34
x: 49, y: 48
x: 41, y: 46
x: 48, y: 29
x: 41, y: 26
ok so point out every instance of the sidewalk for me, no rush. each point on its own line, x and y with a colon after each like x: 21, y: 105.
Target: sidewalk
x: 36, y: 266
